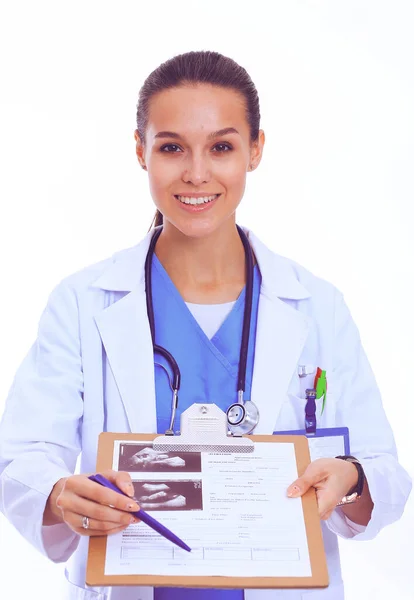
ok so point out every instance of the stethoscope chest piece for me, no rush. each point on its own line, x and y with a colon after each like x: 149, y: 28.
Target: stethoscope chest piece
x: 242, y: 418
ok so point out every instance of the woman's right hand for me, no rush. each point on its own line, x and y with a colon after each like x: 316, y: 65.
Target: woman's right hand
x: 75, y: 497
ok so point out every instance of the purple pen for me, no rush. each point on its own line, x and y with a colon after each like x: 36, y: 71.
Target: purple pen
x: 142, y: 515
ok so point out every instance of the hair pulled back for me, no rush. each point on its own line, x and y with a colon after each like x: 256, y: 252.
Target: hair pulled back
x: 198, y: 67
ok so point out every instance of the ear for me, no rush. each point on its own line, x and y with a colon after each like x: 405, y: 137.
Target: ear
x: 140, y: 150
x: 256, y: 151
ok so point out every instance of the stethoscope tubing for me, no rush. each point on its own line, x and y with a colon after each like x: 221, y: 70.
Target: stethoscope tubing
x: 244, y: 345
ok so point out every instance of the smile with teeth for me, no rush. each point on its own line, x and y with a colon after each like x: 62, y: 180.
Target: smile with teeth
x: 202, y: 200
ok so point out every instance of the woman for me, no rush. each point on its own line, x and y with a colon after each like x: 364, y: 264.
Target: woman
x: 91, y: 368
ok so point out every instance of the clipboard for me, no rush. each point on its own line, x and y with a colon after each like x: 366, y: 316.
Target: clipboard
x: 209, y: 439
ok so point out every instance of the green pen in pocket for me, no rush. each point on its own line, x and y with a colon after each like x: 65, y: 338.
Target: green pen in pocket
x: 321, y: 387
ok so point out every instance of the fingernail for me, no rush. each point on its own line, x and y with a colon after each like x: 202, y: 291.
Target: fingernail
x: 132, y: 507
x: 129, y: 489
x: 293, y: 491
x: 133, y: 520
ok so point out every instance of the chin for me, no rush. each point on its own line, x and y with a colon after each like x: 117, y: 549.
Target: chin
x: 196, y: 227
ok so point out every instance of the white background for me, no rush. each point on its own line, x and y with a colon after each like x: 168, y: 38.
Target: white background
x: 334, y: 190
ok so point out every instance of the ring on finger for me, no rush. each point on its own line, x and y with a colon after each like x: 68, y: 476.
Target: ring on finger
x: 85, y: 522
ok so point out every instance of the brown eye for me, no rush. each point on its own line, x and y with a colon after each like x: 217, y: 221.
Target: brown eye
x: 223, y: 147
x: 171, y: 148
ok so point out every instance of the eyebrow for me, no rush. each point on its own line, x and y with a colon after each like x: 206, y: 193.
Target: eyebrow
x: 214, y: 134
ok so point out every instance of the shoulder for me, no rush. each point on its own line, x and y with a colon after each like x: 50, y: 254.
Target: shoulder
x: 284, y: 279
x: 291, y: 281
x: 318, y: 287
x: 89, y: 282
x: 325, y: 303
x: 88, y: 275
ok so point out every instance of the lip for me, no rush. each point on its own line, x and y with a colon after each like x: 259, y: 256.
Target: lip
x: 198, y: 194
x: 195, y: 208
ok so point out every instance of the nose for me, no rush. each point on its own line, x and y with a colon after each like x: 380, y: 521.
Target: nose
x: 197, y: 170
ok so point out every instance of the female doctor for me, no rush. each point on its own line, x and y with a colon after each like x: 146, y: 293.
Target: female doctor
x: 92, y: 369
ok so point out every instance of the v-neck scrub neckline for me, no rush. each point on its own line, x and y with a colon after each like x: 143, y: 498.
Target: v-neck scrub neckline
x: 210, y: 317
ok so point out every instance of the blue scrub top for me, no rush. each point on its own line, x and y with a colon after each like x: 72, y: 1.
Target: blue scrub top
x: 209, y: 370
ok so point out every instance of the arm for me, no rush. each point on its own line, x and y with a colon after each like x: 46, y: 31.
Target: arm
x: 40, y: 429
x: 387, y: 485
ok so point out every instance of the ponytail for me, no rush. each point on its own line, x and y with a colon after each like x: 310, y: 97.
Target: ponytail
x: 157, y: 220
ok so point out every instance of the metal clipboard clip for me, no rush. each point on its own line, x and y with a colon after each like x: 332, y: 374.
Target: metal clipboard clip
x: 203, y: 429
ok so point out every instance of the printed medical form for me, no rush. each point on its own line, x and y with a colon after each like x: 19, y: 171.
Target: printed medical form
x: 230, y: 508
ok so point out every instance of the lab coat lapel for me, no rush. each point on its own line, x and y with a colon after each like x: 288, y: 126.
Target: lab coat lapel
x: 280, y: 338
x: 281, y: 334
x: 126, y: 337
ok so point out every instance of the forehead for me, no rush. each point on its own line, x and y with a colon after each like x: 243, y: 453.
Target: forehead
x: 197, y: 109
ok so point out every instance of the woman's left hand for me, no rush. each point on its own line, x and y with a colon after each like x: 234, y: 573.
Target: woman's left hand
x: 331, y: 477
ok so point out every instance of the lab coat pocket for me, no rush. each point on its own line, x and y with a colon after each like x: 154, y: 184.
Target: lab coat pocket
x: 292, y: 413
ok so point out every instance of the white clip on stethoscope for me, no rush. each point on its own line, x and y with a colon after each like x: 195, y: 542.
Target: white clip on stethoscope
x: 242, y: 416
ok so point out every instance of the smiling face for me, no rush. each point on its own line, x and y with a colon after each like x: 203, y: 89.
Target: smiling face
x: 197, y: 151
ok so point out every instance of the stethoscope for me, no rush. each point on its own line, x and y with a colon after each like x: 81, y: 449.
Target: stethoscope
x: 242, y: 416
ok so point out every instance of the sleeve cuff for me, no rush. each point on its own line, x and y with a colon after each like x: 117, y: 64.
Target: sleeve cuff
x: 355, y: 528
x: 339, y: 524
x: 59, y: 542
x: 23, y: 504
x: 389, y: 486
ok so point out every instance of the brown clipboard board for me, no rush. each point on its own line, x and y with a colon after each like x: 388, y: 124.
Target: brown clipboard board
x: 95, y: 571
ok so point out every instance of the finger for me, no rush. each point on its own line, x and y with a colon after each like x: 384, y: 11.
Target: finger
x: 72, y: 503
x: 302, y: 485
x: 76, y: 520
x: 122, y: 479
x: 327, y: 501
x: 80, y: 485
x: 95, y: 527
x: 314, y: 473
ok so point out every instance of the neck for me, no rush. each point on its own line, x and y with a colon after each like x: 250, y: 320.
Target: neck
x: 205, y: 270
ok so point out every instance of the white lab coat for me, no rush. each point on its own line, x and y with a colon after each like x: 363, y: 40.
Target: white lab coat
x: 91, y: 370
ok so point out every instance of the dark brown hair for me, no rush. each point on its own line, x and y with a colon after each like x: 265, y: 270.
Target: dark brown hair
x: 198, y: 67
